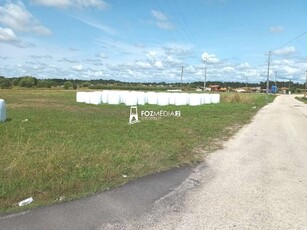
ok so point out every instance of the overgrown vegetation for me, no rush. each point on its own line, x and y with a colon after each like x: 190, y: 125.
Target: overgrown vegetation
x: 53, y: 148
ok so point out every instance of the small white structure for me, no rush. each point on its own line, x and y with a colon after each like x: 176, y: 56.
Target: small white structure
x: 2, y: 111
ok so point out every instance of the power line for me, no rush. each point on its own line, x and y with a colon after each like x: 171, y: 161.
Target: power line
x: 292, y: 40
x: 162, y: 11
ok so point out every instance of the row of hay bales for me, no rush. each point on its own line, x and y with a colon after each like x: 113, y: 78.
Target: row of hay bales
x: 130, y: 98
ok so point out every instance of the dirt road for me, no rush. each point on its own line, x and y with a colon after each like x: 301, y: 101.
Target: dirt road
x: 258, y: 181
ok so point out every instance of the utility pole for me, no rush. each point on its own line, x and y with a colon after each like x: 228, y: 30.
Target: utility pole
x: 268, y: 77
x: 305, y: 95
x: 181, y: 77
x: 205, y: 77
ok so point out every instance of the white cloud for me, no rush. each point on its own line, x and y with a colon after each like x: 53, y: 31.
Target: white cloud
x: 151, y: 54
x: 210, y: 58
x: 67, y: 60
x: 98, y: 4
x: 290, y: 70
x: 99, y: 26
x: 244, y: 65
x: 228, y: 69
x: 102, y: 56
x: 53, y: 3
x: 162, y: 20
x: 7, y: 35
x: 276, y: 29
x: 166, y: 25
x: 142, y: 64
x: 285, y: 51
x: 158, y: 64
x: 18, y: 18
x: 159, y: 15
x: 78, y: 67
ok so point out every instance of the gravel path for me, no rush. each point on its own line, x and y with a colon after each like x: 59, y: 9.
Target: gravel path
x: 258, y: 181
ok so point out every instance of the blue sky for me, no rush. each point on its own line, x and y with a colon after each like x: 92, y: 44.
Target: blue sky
x: 149, y: 40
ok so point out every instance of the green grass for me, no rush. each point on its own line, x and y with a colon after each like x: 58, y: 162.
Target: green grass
x: 302, y: 99
x: 69, y: 150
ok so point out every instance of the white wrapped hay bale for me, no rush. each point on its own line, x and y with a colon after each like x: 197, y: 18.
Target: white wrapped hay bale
x: 163, y: 99
x: 87, y: 97
x: 181, y: 99
x: 104, y: 96
x: 114, y: 98
x: 152, y: 98
x: 123, y: 96
x: 195, y: 99
x: 206, y: 99
x: 81, y: 96
x: 172, y: 97
x: 215, y: 98
x: 142, y: 100
x: 131, y: 99
x: 2, y: 111
x: 95, y: 98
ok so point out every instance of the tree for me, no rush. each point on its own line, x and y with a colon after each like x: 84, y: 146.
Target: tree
x: 67, y: 84
x: 45, y: 83
x: 5, y: 83
x: 28, y: 82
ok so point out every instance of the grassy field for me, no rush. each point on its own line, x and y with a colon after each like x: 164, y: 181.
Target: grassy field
x: 55, y: 149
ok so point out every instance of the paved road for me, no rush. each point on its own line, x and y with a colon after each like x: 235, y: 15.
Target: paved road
x: 258, y: 181
x: 105, y: 209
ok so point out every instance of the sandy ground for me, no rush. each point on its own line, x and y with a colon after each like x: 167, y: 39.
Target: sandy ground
x: 257, y: 181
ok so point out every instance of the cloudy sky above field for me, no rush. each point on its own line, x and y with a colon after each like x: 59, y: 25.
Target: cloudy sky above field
x: 149, y: 41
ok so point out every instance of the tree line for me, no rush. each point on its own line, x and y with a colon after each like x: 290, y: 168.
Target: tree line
x: 32, y: 82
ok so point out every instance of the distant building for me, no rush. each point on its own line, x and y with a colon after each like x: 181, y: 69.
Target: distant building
x: 284, y: 90
x: 215, y: 87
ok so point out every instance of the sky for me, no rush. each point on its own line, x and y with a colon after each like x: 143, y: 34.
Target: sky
x: 150, y: 40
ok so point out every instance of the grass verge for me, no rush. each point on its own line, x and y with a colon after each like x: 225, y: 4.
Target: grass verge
x: 302, y: 99
x: 55, y: 149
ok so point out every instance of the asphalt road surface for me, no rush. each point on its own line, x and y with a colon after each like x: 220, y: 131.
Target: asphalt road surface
x: 257, y: 181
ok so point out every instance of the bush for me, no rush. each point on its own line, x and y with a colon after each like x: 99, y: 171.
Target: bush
x: 27, y: 82
x: 5, y: 83
x: 67, y: 84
